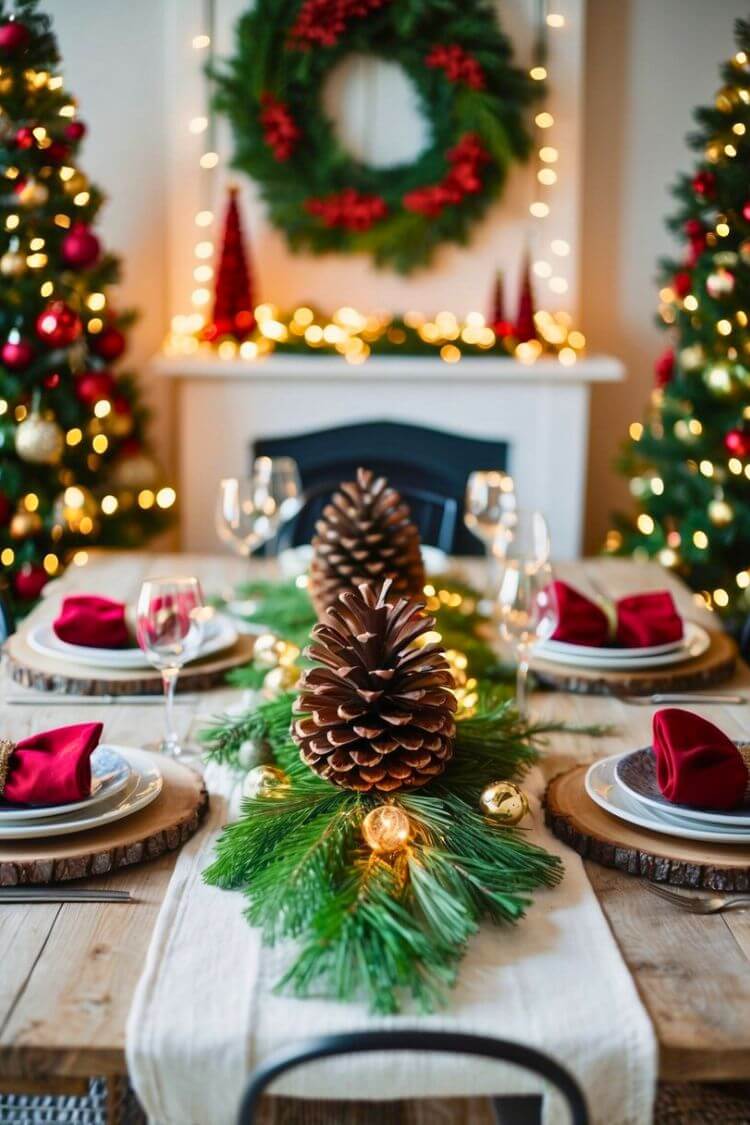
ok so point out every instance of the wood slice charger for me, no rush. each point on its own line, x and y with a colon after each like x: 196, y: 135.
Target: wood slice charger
x: 161, y: 827
x: 581, y: 824
x: 715, y: 666
x: 46, y: 673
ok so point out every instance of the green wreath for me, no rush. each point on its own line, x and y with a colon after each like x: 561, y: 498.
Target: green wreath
x: 469, y: 92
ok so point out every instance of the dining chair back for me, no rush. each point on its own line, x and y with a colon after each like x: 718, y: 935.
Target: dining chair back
x: 413, y: 458
x: 508, y: 1111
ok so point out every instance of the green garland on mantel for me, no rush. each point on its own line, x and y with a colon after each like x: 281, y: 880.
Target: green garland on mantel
x: 368, y: 925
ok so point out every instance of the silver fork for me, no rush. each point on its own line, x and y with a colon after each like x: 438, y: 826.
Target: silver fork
x: 713, y: 904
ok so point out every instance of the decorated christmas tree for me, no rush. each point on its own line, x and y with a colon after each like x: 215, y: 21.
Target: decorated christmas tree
x: 74, y: 469
x: 689, y: 461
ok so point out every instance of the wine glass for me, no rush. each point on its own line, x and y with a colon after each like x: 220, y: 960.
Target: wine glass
x: 489, y: 502
x: 250, y: 510
x: 527, y: 613
x: 170, y: 617
x: 523, y: 535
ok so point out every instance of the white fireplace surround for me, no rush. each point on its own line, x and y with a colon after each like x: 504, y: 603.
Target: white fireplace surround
x: 541, y: 411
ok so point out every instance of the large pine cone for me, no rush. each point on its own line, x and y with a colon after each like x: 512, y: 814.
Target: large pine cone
x: 364, y: 535
x: 378, y: 707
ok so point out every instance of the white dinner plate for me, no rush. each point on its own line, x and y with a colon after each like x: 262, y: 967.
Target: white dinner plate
x: 695, y: 642
x: 110, y: 774
x: 562, y: 648
x: 603, y: 788
x: 221, y: 635
x: 144, y: 786
x: 296, y: 560
x: 636, y: 774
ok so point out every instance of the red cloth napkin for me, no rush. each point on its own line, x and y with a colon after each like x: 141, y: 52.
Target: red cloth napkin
x: 696, y: 764
x: 52, y: 768
x: 92, y: 621
x: 642, y: 620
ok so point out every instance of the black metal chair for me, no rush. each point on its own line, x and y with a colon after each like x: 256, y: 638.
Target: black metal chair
x: 508, y: 1111
x: 434, y: 515
x: 414, y: 458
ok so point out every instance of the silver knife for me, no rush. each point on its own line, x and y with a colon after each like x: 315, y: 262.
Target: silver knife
x: 680, y: 697
x: 51, y: 894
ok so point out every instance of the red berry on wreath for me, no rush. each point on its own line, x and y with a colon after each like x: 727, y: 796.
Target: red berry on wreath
x: 109, y: 343
x: 30, y: 580
x: 737, y: 442
x: 58, y: 326
x: 80, y: 247
x: 92, y: 386
x: 17, y: 353
x: 14, y: 37
x: 75, y: 130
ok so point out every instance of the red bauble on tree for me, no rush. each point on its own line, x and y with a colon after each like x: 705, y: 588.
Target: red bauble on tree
x: 109, y: 343
x: 737, y: 442
x: 14, y: 37
x: 16, y: 353
x: 80, y: 247
x: 682, y: 283
x: 664, y: 368
x: 75, y: 131
x: 24, y: 138
x: 525, y: 326
x: 233, y: 313
x: 57, y: 153
x: 29, y: 581
x: 58, y: 326
x: 6, y: 510
x: 92, y: 386
x: 704, y: 184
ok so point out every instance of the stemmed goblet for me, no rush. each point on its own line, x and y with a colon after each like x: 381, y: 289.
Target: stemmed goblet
x: 490, y: 502
x: 250, y: 510
x: 170, y: 619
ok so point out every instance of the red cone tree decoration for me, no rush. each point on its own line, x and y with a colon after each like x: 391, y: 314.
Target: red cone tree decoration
x: 233, y: 298
x: 497, y: 322
x: 525, y: 327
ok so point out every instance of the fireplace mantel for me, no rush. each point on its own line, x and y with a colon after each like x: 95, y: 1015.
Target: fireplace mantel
x: 541, y: 410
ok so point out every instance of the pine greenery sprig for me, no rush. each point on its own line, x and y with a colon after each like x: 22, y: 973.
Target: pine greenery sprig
x: 368, y: 926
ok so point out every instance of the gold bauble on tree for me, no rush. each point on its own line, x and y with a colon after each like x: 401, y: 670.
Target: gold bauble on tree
x: 76, y: 510
x: 76, y: 183
x: 386, y: 829
x: 504, y: 802
x: 32, y: 193
x: 13, y: 262
x: 377, y: 710
x: 364, y: 535
x: 39, y: 440
x: 23, y: 524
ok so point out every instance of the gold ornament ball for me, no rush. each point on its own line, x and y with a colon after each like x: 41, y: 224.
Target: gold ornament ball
x: 39, y: 440
x: 504, y: 802
x: 270, y: 651
x: 282, y: 678
x: 12, y: 264
x: 23, y: 524
x: 136, y: 472
x: 720, y: 513
x: 386, y: 829
x: 76, y: 183
x: 33, y: 194
x: 6, y: 83
x: 265, y: 781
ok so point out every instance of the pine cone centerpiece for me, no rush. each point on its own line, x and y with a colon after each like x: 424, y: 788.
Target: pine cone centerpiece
x: 364, y: 535
x: 378, y: 707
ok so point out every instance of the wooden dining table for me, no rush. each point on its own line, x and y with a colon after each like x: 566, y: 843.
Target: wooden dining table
x: 69, y: 971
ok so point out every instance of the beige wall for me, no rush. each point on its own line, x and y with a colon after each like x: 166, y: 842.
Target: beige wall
x: 648, y: 63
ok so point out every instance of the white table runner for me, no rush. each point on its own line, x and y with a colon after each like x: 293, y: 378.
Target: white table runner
x: 204, y: 1014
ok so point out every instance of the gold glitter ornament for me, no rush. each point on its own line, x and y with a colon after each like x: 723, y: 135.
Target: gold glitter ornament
x: 386, y: 829
x: 504, y: 802
x: 39, y: 440
x: 280, y: 679
x: 265, y: 781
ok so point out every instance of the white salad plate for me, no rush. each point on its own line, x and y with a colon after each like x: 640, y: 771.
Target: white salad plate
x: 562, y: 648
x: 604, y: 789
x: 220, y: 634
x: 110, y: 774
x: 143, y: 787
x: 694, y: 643
x: 636, y: 774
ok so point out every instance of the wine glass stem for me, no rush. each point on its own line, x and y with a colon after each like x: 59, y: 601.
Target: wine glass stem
x: 171, y: 741
x: 522, y: 682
